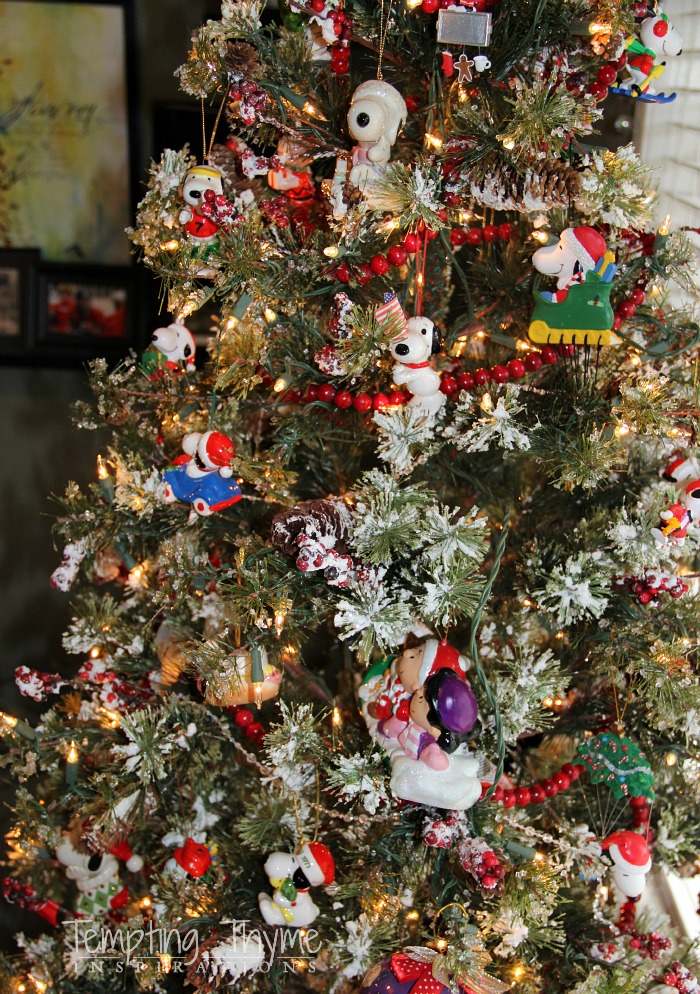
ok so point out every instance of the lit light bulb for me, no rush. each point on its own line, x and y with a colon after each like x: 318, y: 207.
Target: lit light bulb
x: 603, y: 893
x: 231, y: 323
x: 413, y: 915
x: 441, y: 944
x: 622, y: 429
x: 509, y: 144
x: 487, y: 402
x: 337, y: 717
x: 146, y: 902
x: 665, y: 226
x: 9, y: 719
x: 95, y: 652
x: 412, y: 4
x: 331, y: 251
x: 598, y: 27
x: 519, y: 972
x: 270, y: 315
x: 671, y: 759
x: 432, y: 141
x: 281, y: 384
x: 170, y: 246
x: 280, y: 618
x: 73, y: 753
x: 102, y: 471
x: 166, y: 962
x: 540, y: 236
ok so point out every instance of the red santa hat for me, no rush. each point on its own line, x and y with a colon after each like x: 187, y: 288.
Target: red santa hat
x: 629, y: 847
x: 220, y: 451
x: 122, y: 850
x: 317, y: 863
x: 441, y: 656
x: 586, y: 244
x: 692, y: 499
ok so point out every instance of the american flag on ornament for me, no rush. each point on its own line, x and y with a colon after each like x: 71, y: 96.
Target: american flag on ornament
x: 390, y: 312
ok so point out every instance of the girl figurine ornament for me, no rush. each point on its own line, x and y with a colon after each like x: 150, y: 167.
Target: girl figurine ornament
x: 422, y: 711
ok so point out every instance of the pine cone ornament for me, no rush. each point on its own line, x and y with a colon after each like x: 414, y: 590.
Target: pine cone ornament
x: 242, y: 61
x: 542, y: 186
x: 222, y: 959
x: 316, y: 519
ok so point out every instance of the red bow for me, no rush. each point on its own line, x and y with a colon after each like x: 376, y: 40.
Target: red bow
x: 406, y: 968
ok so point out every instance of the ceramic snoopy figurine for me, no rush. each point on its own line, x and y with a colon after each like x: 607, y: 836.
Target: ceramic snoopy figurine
x: 202, y: 475
x: 577, y: 251
x: 293, y: 876
x: 197, y: 181
x: 173, y: 351
x: 412, y: 351
x: 96, y: 876
x: 658, y: 40
x: 377, y: 114
x: 631, y: 862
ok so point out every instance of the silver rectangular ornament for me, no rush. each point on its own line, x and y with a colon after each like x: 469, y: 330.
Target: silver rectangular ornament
x: 464, y: 27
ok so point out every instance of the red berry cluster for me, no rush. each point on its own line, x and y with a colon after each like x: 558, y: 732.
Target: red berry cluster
x: 627, y: 308
x: 282, y: 212
x: 474, y: 236
x: 243, y: 717
x: 340, y: 50
x: 649, y: 945
x: 649, y: 587
x: 681, y: 978
x: 536, y: 793
x: 606, y: 76
x: 397, y: 255
x: 483, y: 864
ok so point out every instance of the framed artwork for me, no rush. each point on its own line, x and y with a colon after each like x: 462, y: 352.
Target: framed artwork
x: 83, y: 312
x: 66, y: 148
x: 17, y: 300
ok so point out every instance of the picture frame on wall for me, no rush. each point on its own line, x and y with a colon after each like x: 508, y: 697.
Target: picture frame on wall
x: 18, y: 268
x: 83, y: 312
x: 66, y: 128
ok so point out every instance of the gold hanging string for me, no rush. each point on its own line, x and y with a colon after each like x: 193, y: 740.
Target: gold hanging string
x: 207, y: 150
x: 383, y: 29
x: 295, y: 805
x: 452, y: 904
x: 237, y: 628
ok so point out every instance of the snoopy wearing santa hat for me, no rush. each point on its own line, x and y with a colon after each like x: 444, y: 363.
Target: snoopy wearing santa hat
x: 631, y: 862
x: 292, y: 876
x: 577, y: 251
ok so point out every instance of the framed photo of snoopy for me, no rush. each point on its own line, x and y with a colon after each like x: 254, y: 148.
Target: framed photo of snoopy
x: 84, y: 312
x: 66, y: 143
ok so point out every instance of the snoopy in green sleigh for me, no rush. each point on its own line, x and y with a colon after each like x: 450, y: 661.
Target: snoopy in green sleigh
x: 578, y: 312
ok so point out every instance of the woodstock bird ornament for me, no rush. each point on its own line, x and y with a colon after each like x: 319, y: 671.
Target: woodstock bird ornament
x: 292, y: 876
x: 412, y: 351
x: 579, y: 310
x: 631, y: 862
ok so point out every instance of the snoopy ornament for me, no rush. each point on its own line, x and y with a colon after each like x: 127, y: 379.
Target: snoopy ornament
x: 96, y: 876
x: 376, y: 115
x: 202, y: 476
x: 198, y: 180
x: 292, y: 876
x: 412, y: 350
x: 631, y: 862
x: 646, y: 59
x: 579, y: 310
x: 173, y: 351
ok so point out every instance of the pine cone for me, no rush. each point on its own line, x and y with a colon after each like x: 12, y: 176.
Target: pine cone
x: 228, y: 162
x: 317, y: 519
x: 242, y: 61
x: 351, y: 194
x: 542, y: 186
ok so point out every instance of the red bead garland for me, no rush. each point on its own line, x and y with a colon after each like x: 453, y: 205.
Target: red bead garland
x: 450, y: 385
x: 536, y: 793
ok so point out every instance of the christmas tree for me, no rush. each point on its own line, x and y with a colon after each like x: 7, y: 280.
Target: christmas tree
x: 384, y: 607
